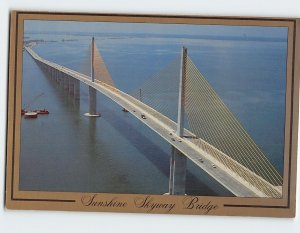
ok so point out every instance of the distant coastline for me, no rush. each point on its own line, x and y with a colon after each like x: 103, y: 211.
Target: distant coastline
x: 150, y: 35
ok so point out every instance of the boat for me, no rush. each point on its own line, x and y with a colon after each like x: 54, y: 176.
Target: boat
x: 30, y: 115
x: 124, y: 110
x: 42, y: 111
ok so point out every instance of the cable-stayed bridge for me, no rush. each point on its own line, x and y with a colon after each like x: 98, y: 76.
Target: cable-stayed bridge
x: 181, y: 106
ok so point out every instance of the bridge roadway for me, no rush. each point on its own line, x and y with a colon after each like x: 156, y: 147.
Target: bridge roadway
x: 205, y: 156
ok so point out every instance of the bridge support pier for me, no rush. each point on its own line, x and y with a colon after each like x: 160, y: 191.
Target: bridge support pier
x: 66, y: 82
x: 61, y: 79
x: 177, y: 179
x: 76, y: 89
x: 52, y: 73
x: 58, y: 77
x: 71, y: 86
x: 92, y: 103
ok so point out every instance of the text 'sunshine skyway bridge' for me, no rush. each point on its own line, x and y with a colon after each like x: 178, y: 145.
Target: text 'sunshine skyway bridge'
x: 215, y: 140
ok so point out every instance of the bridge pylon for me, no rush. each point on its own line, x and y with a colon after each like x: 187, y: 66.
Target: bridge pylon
x: 177, y: 179
x: 92, y: 91
x: 76, y: 90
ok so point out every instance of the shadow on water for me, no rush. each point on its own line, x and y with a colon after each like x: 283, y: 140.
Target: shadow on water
x: 160, y: 158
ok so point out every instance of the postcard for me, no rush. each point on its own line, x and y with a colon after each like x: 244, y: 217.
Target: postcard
x: 153, y: 114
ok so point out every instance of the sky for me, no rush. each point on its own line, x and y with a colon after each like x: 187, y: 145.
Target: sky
x: 149, y: 28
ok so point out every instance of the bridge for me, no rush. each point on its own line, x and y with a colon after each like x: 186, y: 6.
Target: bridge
x: 215, y: 140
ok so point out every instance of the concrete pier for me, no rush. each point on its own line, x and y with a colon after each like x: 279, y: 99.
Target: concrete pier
x: 71, y: 86
x: 76, y: 89
x: 177, y: 178
x: 66, y: 82
x: 56, y: 75
x: 58, y: 78
x: 52, y: 74
x: 92, y: 103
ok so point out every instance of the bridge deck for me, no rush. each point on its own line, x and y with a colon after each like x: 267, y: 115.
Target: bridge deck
x: 232, y: 175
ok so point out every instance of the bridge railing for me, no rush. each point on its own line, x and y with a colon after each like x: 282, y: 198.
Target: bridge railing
x: 243, y: 172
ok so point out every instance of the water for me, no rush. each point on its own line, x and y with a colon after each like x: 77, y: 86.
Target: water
x: 66, y: 151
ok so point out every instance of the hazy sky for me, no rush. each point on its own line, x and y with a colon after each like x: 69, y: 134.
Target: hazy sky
x: 74, y: 26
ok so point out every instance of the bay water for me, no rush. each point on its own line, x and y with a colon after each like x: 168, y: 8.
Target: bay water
x: 66, y: 151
